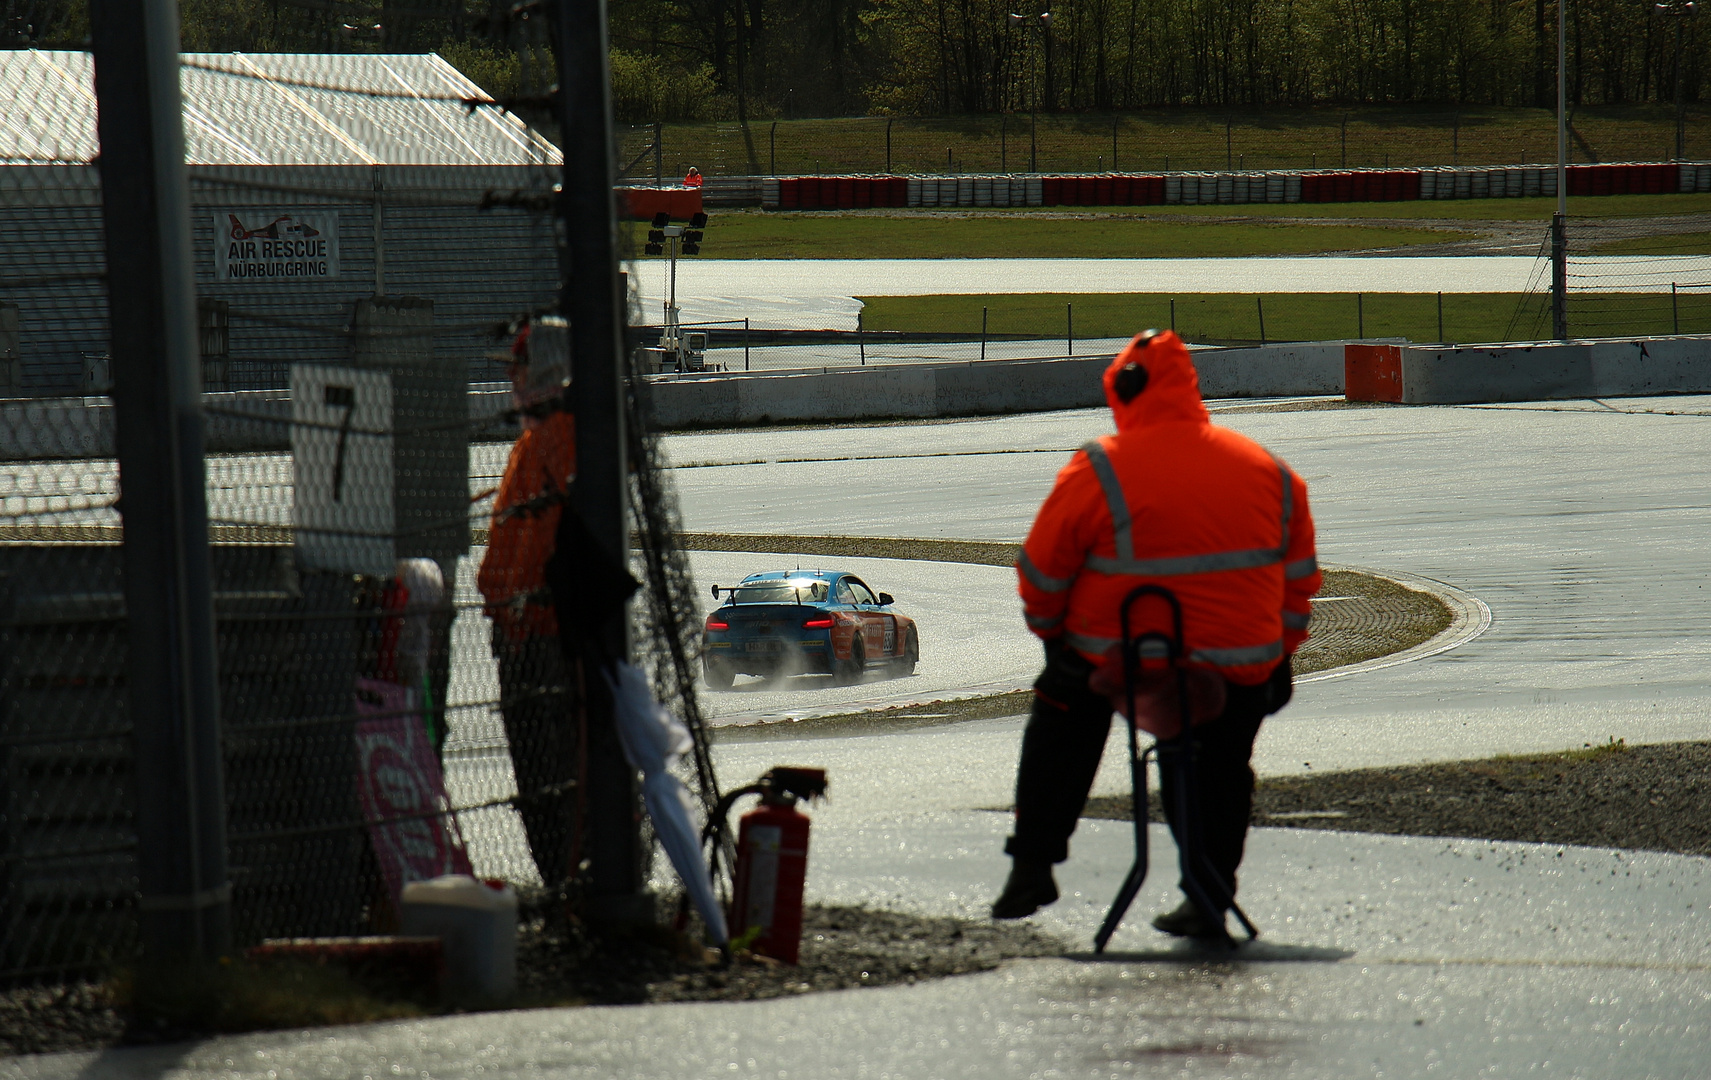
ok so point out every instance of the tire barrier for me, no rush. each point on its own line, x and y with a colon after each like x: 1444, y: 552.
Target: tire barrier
x: 1230, y: 188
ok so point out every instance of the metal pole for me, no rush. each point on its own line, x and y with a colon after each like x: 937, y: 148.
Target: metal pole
x: 1440, y: 318
x: 772, y: 148
x: 184, y: 912
x: 659, y: 154
x: 1680, y: 116
x: 1674, y: 311
x: 888, y: 147
x: 379, y: 234
x: 1559, y: 220
x: 1259, y: 303
x: 861, y: 341
x: 1360, y: 315
x: 1069, y: 328
x: 745, y: 342
x: 594, y: 304
x: 1229, y: 143
x: 983, y: 333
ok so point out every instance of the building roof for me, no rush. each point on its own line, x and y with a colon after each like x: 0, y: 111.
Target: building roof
x: 276, y: 109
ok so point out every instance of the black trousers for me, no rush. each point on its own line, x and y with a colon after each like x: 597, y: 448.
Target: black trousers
x: 1065, y: 739
x: 538, y: 700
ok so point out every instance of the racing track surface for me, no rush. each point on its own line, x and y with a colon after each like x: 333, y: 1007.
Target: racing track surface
x: 795, y: 293
x: 1582, y: 525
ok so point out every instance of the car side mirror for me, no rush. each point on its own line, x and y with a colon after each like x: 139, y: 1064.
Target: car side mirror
x: 716, y: 589
x: 886, y: 598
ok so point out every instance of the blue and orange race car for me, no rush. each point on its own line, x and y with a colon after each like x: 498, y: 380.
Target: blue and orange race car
x: 786, y: 622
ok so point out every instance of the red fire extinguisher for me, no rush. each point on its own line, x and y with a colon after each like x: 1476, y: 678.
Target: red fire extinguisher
x: 772, y: 859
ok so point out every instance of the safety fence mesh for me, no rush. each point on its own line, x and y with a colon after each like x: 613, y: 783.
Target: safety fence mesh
x: 1147, y: 141
x: 383, y: 718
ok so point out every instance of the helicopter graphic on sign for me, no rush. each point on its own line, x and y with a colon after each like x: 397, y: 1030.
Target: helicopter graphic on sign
x: 274, y: 246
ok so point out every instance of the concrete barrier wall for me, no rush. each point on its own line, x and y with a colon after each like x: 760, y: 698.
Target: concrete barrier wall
x: 1544, y: 371
x: 258, y: 421
x: 993, y: 387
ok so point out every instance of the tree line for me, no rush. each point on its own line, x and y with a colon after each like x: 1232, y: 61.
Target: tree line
x: 749, y: 59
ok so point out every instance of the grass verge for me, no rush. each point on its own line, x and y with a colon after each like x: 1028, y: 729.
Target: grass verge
x: 1234, y: 318
x: 1179, y: 138
x: 1649, y: 798
x: 774, y: 236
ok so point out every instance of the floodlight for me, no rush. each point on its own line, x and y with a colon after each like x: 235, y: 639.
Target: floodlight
x: 691, y: 248
x: 661, y: 220
x: 692, y: 236
x: 698, y: 220
x: 653, y: 249
x: 656, y: 236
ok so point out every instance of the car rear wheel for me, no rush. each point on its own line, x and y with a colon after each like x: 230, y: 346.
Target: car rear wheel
x: 718, y: 676
x: 849, y: 672
x: 905, y: 664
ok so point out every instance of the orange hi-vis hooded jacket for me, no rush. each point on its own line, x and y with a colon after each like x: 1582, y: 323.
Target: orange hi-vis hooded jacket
x: 524, y: 530
x: 1172, y: 500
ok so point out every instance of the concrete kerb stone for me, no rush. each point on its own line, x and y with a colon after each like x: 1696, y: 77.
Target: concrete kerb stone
x: 1538, y: 371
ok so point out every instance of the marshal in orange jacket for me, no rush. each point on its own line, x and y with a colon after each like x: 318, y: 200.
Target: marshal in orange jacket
x: 524, y: 530
x: 1173, y: 500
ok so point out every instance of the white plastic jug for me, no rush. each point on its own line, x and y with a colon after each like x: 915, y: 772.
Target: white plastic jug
x: 477, y: 921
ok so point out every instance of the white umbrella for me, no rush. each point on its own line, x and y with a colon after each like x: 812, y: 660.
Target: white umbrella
x: 653, y: 741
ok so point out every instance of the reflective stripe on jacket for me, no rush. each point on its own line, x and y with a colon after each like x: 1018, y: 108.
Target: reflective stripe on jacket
x: 1175, y: 501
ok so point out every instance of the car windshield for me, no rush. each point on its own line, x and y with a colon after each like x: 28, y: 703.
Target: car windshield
x: 805, y: 591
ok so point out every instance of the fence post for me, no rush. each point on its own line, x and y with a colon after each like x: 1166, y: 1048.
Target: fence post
x: 861, y: 340
x: 1360, y: 315
x: 1173, y: 314
x: 659, y: 154
x: 593, y: 302
x: 1069, y: 328
x: 1441, y: 318
x: 1674, y: 311
x: 745, y: 342
x: 772, y: 149
x: 173, y: 695
x: 1259, y: 303
x: 888, y: 146
x: 983, y: 333
x: 1559, y: 274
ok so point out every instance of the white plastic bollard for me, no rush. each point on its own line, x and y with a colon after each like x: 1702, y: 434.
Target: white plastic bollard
x: 477, y: 921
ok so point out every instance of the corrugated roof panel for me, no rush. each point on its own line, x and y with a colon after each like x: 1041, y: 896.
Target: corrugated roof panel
x: 279, y: 109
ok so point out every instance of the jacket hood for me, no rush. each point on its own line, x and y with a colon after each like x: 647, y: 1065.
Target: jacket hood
x: 1172, y: 393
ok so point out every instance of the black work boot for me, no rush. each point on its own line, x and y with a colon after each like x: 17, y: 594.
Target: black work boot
x: 1029, y: 889
x: 1188, y: 921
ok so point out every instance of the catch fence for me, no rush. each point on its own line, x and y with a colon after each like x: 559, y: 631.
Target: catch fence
x: 1155, y: 141
x: 372, y: 728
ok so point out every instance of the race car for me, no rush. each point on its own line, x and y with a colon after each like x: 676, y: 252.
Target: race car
x: 786, y: 622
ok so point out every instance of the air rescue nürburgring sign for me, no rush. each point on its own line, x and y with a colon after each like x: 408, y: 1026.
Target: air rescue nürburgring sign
x: 264, y: 245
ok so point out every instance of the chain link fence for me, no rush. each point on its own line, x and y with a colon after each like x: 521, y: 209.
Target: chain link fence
x: 367, y: 239
x: 1183, y: 140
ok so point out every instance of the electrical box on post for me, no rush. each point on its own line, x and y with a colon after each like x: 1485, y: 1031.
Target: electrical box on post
x: 344, y: 461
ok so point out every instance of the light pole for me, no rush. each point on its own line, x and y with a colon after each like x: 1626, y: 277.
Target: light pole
x: 1559, y: 220
x: 1043, y: 23
x: 1681, y: 13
